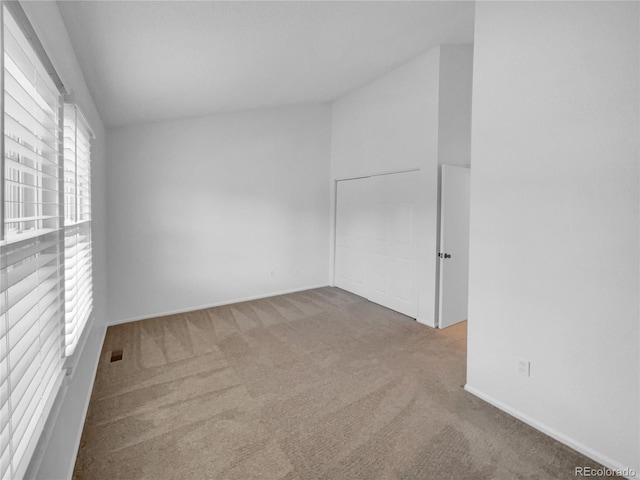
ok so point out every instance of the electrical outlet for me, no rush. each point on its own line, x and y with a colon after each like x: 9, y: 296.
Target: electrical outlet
x: 273, y: 274
x: 524, y: 368
x: 296, y: 271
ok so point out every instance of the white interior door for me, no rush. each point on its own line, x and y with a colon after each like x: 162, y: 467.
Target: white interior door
x: 454, y: 245
x: 376, y: 239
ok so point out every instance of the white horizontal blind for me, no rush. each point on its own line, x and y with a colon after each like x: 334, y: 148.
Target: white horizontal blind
x: 31, y: 251
x: 77, y: 220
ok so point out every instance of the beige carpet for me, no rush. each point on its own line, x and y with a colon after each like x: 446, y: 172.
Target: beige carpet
x: 320, y: 384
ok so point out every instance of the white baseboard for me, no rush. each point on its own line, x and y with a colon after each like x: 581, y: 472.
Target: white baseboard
x: 547, y: 430
x: 212, y: 305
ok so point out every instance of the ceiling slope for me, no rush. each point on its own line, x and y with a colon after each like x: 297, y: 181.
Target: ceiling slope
x: 147, y: 61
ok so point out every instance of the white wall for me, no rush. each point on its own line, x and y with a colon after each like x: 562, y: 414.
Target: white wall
x: 408, y: 119
x: 391, y: 125
x: 454, y: 127
x: 554, y: 220
x: 56, y: 452
x: 211, y: 210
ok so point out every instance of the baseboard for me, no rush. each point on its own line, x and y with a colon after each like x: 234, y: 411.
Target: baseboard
x: 553, y: 433
x: 216, y: 304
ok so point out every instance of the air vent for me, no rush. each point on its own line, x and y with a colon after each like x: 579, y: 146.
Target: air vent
x: 116, y: 355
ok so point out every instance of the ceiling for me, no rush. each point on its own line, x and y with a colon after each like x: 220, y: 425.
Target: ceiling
x: 147, y: 61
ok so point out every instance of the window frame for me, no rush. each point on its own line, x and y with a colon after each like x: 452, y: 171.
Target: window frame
x: 54, y: 361
x: 77, y: 228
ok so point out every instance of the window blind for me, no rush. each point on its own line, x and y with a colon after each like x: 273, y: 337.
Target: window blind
x: 32, y: 301
x: 77, y: 220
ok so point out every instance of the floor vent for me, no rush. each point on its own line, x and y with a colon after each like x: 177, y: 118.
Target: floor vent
x: 116, y: 355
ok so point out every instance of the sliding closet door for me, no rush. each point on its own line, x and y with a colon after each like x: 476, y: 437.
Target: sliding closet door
x: 353, y: 231
x: 393, y: 246
x: 376, y: 239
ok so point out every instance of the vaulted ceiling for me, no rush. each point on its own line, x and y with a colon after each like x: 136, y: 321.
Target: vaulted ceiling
x: 148, y: 61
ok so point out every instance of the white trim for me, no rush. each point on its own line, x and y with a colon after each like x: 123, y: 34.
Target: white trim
x: 553, y: 433
x: 71, y: 361
x: 89, y: 392
x: 47, y: 428
x: 428, y: 322
x: 379, y: 174
x: 64, y: 450
x: 32, y: 448
x: 84, y: 120
x: 212, y: 305
x: 333, y: 229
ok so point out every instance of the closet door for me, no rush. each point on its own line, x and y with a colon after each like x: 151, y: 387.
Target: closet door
x: 393, y: 245
x: 353, y: 231
x: 376, y: 240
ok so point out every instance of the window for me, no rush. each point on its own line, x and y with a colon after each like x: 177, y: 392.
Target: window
x: 45, y: 239
x: 77, y: 225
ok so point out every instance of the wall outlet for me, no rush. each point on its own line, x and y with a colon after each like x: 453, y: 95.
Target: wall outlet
x: 273, y: 274
x: 524, y: 368
x: 296, y: 271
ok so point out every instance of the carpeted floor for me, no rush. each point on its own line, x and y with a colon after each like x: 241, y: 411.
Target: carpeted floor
x: 320, y: 384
